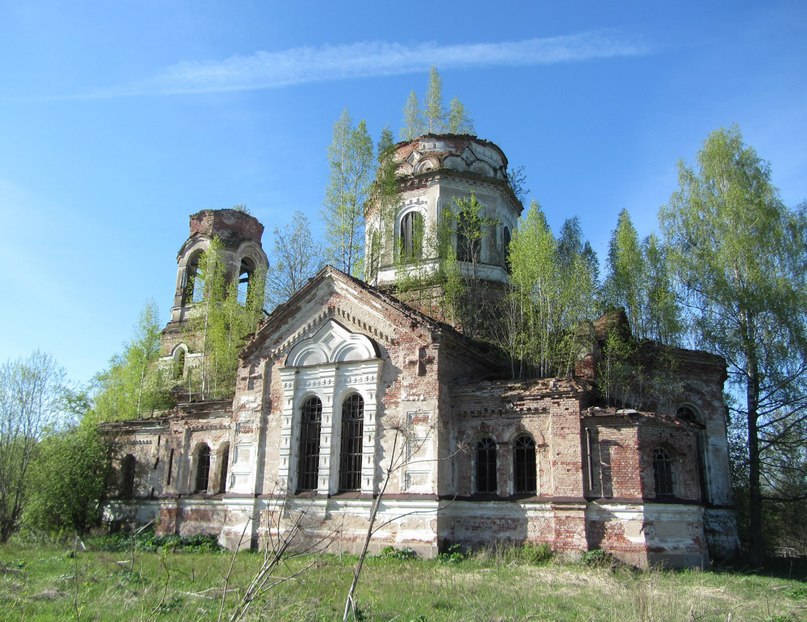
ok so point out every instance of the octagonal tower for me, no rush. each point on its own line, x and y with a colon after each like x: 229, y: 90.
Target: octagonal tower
x: 406, y: 232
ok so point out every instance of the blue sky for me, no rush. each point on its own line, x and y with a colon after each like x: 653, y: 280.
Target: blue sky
x: 118, y: 120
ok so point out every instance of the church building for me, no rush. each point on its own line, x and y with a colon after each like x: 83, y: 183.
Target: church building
x: 355, y: 400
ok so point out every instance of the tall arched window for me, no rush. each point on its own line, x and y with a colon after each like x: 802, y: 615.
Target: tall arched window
x: 506, y: 239
x: 127, y: 476
x: 662, y: 472
x: 245, y: 278
x: 524, y: 471
x: 310, y: 425
x: 691, y: 415
x: 179, y: 364
x: 194, y: 288
x: 224, y: 460
x: 352, y: 446
x: 486, y: 465
x: 411, y: 236
x: 202, y: 468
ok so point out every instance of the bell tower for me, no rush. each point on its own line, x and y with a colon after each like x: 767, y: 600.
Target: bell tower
x: 437, y: 177
x: 240, y: 236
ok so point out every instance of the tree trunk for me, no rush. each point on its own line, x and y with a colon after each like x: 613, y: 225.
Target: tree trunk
x: 755, y: 533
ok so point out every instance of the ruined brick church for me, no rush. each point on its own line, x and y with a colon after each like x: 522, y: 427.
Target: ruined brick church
x: 345, y: 393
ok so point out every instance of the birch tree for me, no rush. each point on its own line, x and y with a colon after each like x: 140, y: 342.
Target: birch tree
x: 739, y: 255
x: 351, y: 164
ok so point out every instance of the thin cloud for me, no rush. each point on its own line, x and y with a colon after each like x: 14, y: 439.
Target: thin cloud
x: 305, y: 65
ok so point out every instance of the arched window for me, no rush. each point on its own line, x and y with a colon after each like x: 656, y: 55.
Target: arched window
x: 524, y: 466
x: 374, y: 260
x: 506, y: 239
x: 486, y: 465
x: 689, y: 414
x: 224, y: 459
x: 310, y: 425
x: 245, y: 279
x: 194, y: 289
x: 352, y: 436
x: 127, y: 476
x: 202, y: 468
x: 662, y: 472
x: 179, y: 363
x: 411, y: 236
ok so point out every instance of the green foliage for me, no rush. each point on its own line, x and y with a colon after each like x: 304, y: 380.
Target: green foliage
x: 458, y: 120
x: 639, y: 281
x: 67, y: 482
x: 351, y: 163
x: 453, y: 554
x: 739, y: 255
x: 402, y: 554
x: 220, y: 325
x: 31, y: 404
x: 552, y: 291
x: 146, y: 541
x: 434, y: 112
x: 134, y: 385
x: 413, y: 125
x: 597, y: 558
x: 433, y: 118
x: 295, y: 258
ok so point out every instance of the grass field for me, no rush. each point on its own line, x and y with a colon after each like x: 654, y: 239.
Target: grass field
x: 55, y: 583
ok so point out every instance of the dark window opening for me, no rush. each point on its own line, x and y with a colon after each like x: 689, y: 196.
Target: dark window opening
x: 486, y: 466
x: 170, y: 467
x: 352, y: 437
x: 506, y: 239
x: 662, y: 473
x: 127, y: 479
x: 469, y: 240
x: 374, y: 261
x: 194, y: 288
x: 202, y: 468
x: 411, y: 236
x: 689, y: 414
x: 179, y: 364
x: 245, y: 280
x: 310, y: 425
x: 225, y: 458
x: 524, y: 469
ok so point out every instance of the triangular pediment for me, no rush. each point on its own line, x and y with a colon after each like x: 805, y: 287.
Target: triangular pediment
x: 331, y: 306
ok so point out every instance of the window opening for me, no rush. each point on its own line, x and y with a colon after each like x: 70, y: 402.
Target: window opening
x: 468, y: 239
x: 506, y: 239
x: 128, y: 465
x: 662, y: 473
x: 179, y: 364
x: 352, y: 437
x: 245, y: 280
x: 524, y: 465
x: 170, y: 467
x: 411, y: 236
x: 225, y: 458
x: 202, y: 468
x: 310, y: 425
x: 486, y: 466
x: 194, y: 290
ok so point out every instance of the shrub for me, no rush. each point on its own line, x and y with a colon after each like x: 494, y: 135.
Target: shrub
x: 390, y: 552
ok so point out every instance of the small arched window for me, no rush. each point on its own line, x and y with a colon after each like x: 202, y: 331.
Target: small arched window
x: 411, y: 236
x: 224, y: 460
x: 194, y: 288
x: 662, y: 473
x: 352, y: 445
x: 506, y: 239
x: 310, y: 425
x: 245, y: 280
x: 127, y: 476
x: 202, y: 468
x: 524, y: 470
x: 486, y: 465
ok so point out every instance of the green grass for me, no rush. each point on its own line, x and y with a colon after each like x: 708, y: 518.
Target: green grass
x: 171, y: 583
